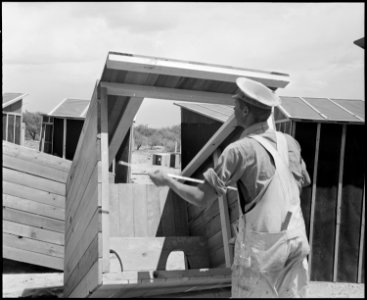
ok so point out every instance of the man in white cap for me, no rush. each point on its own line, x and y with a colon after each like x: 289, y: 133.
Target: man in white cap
x: 267, y: 167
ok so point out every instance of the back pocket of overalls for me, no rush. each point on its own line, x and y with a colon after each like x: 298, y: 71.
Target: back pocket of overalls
x: 268, y: 252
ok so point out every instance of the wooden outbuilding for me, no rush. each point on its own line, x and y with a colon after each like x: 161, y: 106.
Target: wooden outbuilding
x: 119, y: 237
x: 330, y: 135
x: 13, y: 126
x: 62, y: 126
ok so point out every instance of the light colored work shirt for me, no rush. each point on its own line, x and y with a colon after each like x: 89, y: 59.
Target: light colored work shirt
x: 247, y: 162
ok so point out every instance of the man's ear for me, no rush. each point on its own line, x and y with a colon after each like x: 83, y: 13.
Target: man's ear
x: 245, y: 110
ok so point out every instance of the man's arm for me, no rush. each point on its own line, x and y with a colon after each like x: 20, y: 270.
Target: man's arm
x: 202, y: 195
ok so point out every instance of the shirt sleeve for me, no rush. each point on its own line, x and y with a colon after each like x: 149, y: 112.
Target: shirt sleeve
x: 297, y: 164
x: 228, y: 170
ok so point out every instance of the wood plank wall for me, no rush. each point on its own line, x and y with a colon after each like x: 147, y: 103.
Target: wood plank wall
x: 145, y: 210
x: 33, y: 206
x: 83, y: 237
x: 334, y: 225
x: 206, y: 222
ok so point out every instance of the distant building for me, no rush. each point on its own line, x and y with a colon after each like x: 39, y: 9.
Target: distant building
x: 13, y: 128
x: 330, y: 133
x: 62, y: 126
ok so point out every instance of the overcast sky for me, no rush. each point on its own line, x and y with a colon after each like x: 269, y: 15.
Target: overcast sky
x: 53, y: 51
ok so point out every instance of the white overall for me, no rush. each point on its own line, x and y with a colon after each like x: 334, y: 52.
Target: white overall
x: 271, y: 248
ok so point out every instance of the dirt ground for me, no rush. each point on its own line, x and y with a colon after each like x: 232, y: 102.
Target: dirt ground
x: 32, y: 285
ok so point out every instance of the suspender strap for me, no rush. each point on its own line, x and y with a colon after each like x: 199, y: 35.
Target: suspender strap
x: 281, y: 155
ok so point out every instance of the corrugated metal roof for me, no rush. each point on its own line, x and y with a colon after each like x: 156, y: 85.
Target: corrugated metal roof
x: 10, y: 98
x: 71, y: 108
x: 324, y: 109
x: 299, y: 108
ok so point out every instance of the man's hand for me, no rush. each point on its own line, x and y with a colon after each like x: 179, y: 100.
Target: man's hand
x: 159, y: 178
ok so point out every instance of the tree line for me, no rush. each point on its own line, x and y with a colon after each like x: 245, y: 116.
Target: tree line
x: 32, y: 121
x: 168, y: 137
x: 144, y: 136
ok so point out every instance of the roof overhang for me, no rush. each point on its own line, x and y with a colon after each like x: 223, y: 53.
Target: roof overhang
x: 12, y: 101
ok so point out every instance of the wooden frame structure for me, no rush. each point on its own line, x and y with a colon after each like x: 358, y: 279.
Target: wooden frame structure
x: 91, y: 231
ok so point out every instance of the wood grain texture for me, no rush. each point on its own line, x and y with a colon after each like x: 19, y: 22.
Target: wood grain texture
x: 38, y: 209
x: 27, y: 218
x: 34, y: 168
x: 30, y: 244
x: 41, y: 158
x: 148, y: 253
x: 83, y: 210
x: 30, y: 193
x: 34, y: 186
x: 34, y: 181
x: 33, y: 232
x: 36, y: 258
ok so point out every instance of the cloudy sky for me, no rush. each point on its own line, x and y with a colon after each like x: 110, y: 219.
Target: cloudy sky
x: 53, y: 51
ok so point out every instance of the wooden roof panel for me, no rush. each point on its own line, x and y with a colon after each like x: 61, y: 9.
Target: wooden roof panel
x: 128, y: 68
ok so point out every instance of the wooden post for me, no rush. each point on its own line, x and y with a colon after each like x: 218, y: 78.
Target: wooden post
x: 22, y: 133
x: 131, y: 147
x: 43, y: 136
x: 313, y: 195
x: 294, y: 129
x: 52, y: 136
x: 14, y: 127
x: 105, y: 180
x: 224, y: 220
x: 361, y: 239
x: 339, y: 202
x: 7, y: 123
x: 64, y: 140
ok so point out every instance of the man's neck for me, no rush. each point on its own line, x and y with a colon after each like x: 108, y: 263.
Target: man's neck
x: 257, y: 127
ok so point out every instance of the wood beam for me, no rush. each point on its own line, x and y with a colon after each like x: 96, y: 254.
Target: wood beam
x: 141, y: 91
x: 42, y: 141
x: 224, y: 220
x: 339, y: 202
x: 64, y: 139
x: 222, y: 133
x: 123, y: 126
x: 294, y: 124
x: 313, y: 195
x: 6, y: 127
x: 361, y: 239
x: 170, y: 67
